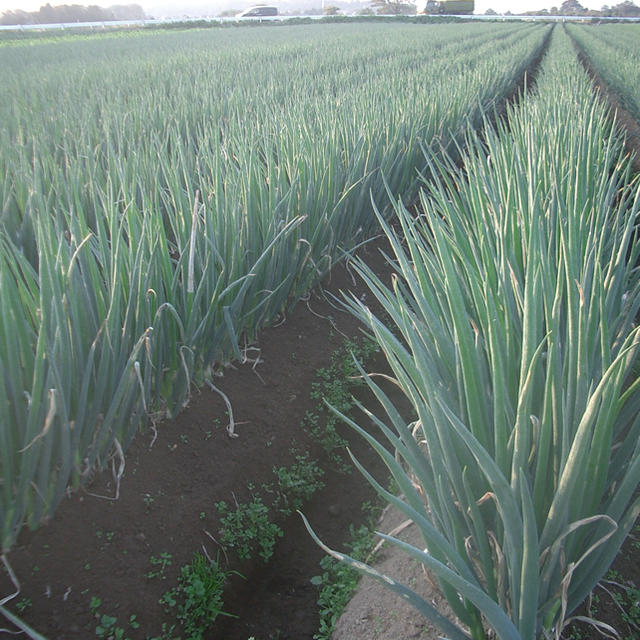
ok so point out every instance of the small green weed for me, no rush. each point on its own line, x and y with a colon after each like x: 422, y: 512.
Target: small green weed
x: 627, y: 596
x: 162, y: 563
x: 24, y: 604
x: 107, y: 626
x: 167, y: 633
x: 107, y: 535
x: 148, y: 500
x: 614, y: 594
x: 248, y: 528
x: 198, y: 597
x: 335, y: 385
x: 338, y: 581
x: 94, y: 604
x: 297, y: 483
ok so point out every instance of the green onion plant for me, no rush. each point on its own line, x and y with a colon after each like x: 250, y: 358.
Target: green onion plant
x: 509, y: 325
x: 614, y: 52
x: 163, y: 196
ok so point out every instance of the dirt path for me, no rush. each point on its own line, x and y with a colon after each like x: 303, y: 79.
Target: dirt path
x: 102, y: 548
x: 374, y: 612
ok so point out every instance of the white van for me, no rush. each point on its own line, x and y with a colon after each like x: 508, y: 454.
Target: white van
x: 259, y: 11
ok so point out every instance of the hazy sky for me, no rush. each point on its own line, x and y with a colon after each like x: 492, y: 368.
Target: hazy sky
x: 151, y: 6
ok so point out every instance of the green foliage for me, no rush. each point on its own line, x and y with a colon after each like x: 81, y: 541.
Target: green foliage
x: 23, y: 604
x: 615, y: 597
x: 248, y: 529
x: 626, y: 595
x: 94, y: 604
x: 198, y: 598
x: 168, y: 632
x: 161, y: 564
x: 338, y: 581
x: 107, y: 626
x: 296, y: 484
x: 141, y: 239
x: 614, y: 53
x: 511, y: 329
x: 334, y: 385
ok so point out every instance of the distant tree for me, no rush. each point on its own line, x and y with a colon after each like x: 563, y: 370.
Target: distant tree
x: 626, y: 9
x: 127, y: 12
x: 367, y: 11
x: 490, y: 12
x: 331, y: 10
x: 74, y: 13
x: 16, y: 17
x: 572, y: 8
x: 45, y: 14
x: 554, y: 11
x: 393, y: 7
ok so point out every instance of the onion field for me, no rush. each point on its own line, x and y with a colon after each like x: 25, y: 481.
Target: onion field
x: 165, y: 196
x: 614, y: 50
x: 512, y: 330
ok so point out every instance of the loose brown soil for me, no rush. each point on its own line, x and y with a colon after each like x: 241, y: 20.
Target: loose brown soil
x: 97, y: 547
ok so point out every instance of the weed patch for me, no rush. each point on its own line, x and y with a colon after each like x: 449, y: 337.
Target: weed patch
x: 248, y: 529
x: 197, y: 600
x: 338, y: 581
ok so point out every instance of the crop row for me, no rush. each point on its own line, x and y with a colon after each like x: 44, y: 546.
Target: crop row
x: 510, y: 326
x: 615, y: 54
x: 163, y: 196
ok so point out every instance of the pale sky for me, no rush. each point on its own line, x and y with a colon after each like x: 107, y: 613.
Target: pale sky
x: 151, y: 6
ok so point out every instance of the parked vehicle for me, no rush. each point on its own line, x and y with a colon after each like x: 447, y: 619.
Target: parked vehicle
x: 259, y: 11
x: 457, y: 7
